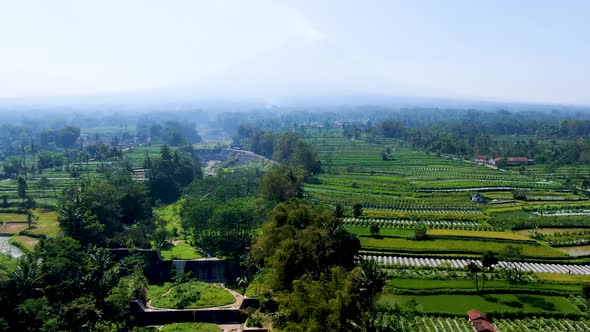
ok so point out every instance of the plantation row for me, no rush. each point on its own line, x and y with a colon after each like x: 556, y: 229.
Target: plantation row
x: 430, y: 190
x: 565, y: 212
x: 462, y: 263
x: 440, y: 324
x: 565, y: 239
x: 390, y: 202
x: 427, y: 210
x: 541, y: 324
x: 405, y: 223
x: 448, y: 324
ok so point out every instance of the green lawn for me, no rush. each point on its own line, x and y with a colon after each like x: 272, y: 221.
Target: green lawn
x: 189, y: 295
x: 490, y: 303
x: 469, y: 284
x: 181, y: 250
x: 462, y: 246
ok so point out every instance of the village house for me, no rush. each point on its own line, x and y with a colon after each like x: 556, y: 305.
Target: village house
x: 480, y: 322
x: 515, y: 161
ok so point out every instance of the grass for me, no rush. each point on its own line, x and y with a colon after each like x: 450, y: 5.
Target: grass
x: 563, y: 278
x: 490, y: 303
x: 188, y: 295
x: 190, y: 327
x: 26, y: 241
x: 13, y: 217
x: 181, y: 250
x: 395, y: 232
x: 47, y: 223
x: 171, y: 215
x: 479, y: 234
x: 469, y: 284
x: 13, y: 227
x: 459, y: 246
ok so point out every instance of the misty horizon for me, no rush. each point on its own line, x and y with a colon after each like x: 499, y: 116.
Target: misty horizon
x: 279, y: 52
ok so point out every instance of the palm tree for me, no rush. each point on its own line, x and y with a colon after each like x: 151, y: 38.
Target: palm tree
x: 71, y: 218
x: 27, y: 275
x: 371, y: 282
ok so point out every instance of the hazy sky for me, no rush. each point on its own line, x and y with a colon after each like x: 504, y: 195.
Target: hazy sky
x: 525, y: 50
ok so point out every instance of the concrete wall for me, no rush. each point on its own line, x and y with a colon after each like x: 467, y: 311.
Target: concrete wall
x: 206, y: 269
x: 210, y: 269
x: 143, y: 316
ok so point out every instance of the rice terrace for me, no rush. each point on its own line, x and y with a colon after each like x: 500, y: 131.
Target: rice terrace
x: 294, y: 166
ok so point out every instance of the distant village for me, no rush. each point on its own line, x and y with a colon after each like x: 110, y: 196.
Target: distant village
x: 509, y: 161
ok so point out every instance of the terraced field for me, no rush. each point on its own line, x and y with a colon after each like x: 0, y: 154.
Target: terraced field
x: 414, y: 188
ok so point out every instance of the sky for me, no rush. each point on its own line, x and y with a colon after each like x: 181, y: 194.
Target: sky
x: 504, y: 50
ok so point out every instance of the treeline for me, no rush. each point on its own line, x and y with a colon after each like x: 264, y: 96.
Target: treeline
x: 284, y: 147
x: 34, y: 161
x: 564, y: 142
x: 15, y: 138
x: 173, y: 133
x: 219, y: 214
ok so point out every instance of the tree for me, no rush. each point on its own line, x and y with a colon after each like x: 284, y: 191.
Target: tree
x: 374, y: 229
x: 339, y: 211
x: 27, y: 276
x: 586, y: 296
x: 165, y: 152
x: 421, y: 232
x: 519, y: 194
x: 474, y: 269
x: 513, y: 274
x: 44, y: 184
x: 282, y: 182
x: 513, y: 253
x: 488, y: 260
x: 370, y: 284
x: 31, y: 217
x: 357, y: 210
x: 22, y: 188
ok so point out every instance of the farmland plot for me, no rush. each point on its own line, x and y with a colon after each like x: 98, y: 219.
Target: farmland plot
x: 462, y: 263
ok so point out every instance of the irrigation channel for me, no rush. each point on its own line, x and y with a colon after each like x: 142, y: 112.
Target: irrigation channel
x: 461, y: 263
x: 9, y: 249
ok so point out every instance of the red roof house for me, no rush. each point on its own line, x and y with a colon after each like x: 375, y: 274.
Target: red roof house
x: 480, y: 322
x: 475, y: 315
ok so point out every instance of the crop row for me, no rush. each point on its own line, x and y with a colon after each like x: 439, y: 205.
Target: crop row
x: 406, y: 223
x: 427, y: 210
x: 541, y: 324
x: 462, y: 263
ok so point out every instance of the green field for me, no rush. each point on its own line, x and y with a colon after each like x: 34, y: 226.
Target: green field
x: 479, y: 234
x: 450, y: 284
x: 490, y: 303
x: 180, y: 250
x: 459, y: 246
